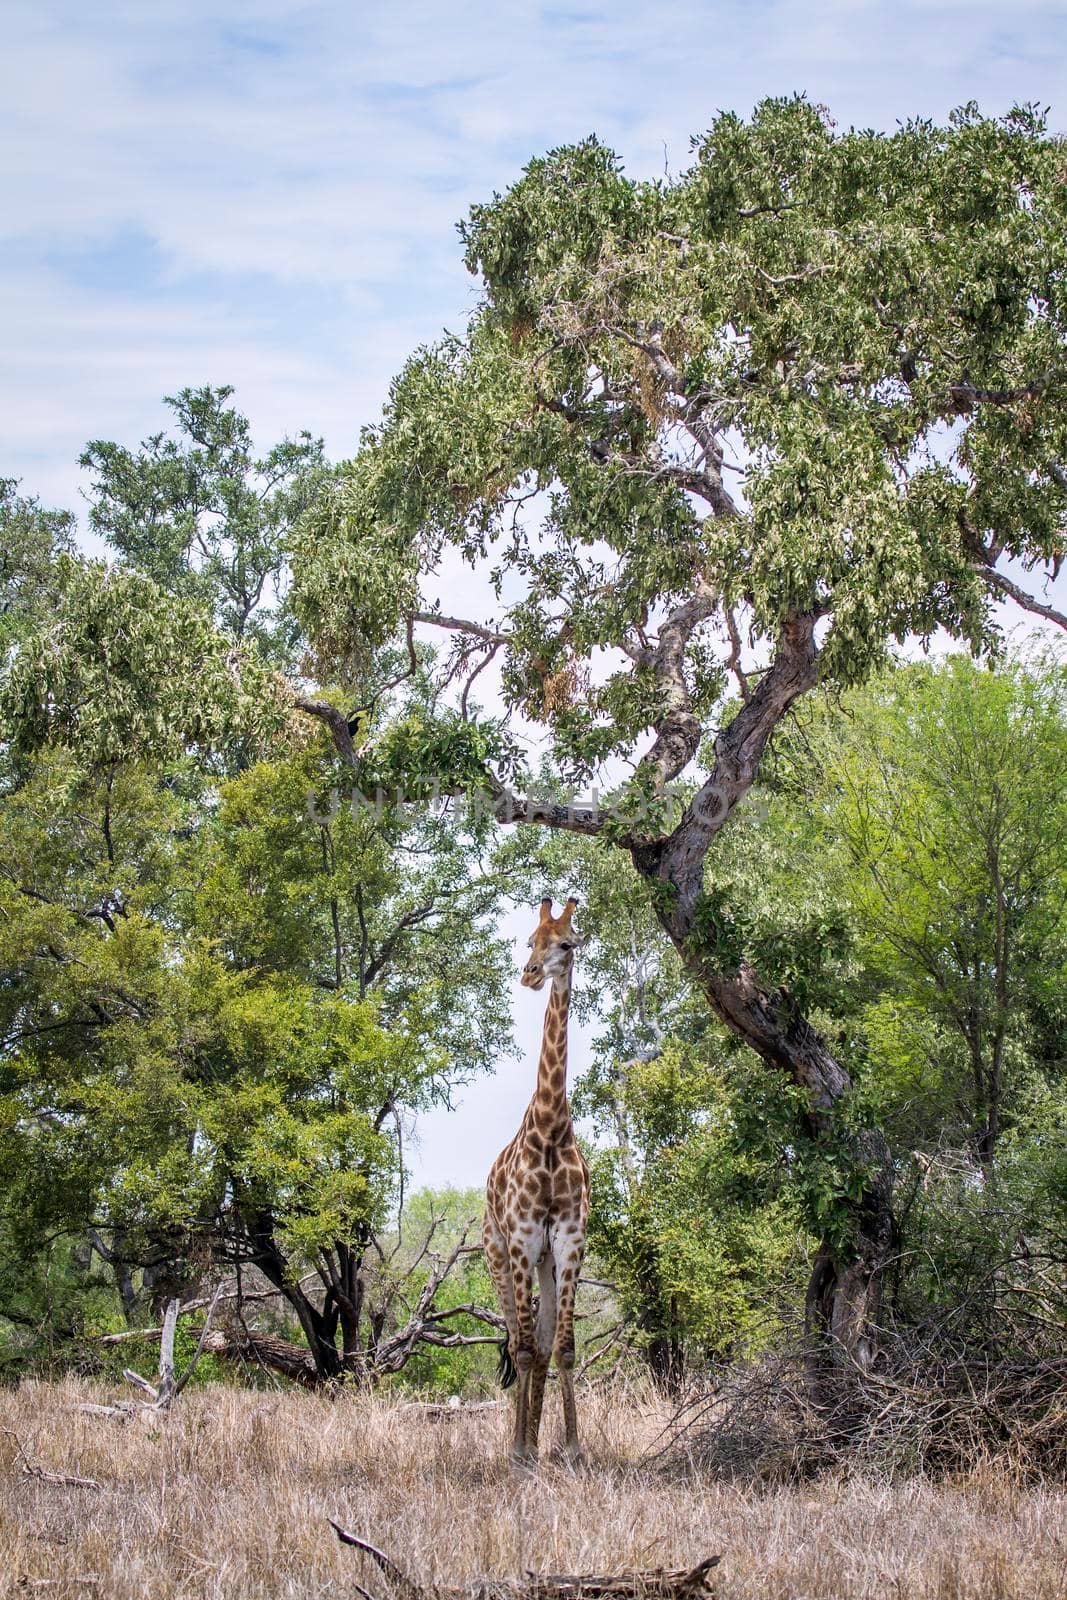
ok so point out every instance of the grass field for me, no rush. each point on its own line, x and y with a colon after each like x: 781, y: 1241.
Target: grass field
x: 229, y: 1496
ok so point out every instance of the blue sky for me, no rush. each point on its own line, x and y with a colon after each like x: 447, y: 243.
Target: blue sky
x: 264, y: 193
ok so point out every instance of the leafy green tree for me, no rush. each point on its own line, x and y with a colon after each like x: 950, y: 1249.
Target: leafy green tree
x: 203, y: 516
x: 122, y: 670
x: 31, y: 540
x: 215, y: 1021
x: 944, y: 794
x: 222, y: 991
x: 870, y: 871
x: 808, y: 392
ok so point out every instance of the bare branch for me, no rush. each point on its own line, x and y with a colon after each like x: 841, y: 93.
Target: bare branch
x: 200, y: 1344
x: 739, y: 748
x: 678, y: 730
x: 1028, y: 602
x: 437, y: 619
x: 964, y: 396
x: 335, y: 720
x: 733, y: 660
x: 166, y: 1353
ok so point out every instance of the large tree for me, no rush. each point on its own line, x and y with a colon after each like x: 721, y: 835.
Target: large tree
x: 904, y: 868
x: 218, y: 1000
x: 808, y: 394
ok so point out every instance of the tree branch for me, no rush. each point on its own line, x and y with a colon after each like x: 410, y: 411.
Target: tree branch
x: 678, y: 730
x: 335, y: 720
x: 1028, y: 602
x: 739, y: 748
x: 437, y: 619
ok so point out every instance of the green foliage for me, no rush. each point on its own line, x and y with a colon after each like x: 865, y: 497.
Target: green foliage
x: 700, y: 1207
x: 205, y: 518
x: 180, y: 646
x: 121, y: 670
x: 986, y: 1258
x: 864, y: 879
x: 699, y: 1223
x: 31, y: 541
x: 873, y: 324
x: 48, y: 1301
x: 220, y: 989
x: 943, y: 836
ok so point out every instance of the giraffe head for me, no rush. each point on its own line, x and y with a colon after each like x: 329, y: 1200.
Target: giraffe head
x: 552, y: 945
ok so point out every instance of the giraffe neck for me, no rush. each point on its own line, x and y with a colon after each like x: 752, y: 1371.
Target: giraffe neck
x: 551, y: 1093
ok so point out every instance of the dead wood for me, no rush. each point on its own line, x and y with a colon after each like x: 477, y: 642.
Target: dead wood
x: 651, y: 1583
x: 168, y: 1387
x: 926, y: 1408
x: 250, y: 1348
x: 447, y: 1410
x: 32, y: 1469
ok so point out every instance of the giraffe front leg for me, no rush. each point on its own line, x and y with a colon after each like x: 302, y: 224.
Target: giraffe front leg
x: 569, y: 1251
x: 523, y: 1449
x: 544, y: 1335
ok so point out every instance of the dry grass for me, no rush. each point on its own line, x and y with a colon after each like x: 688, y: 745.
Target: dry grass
x: 229, y: 1496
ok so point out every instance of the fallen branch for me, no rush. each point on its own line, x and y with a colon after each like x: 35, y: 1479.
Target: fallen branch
x: 32, y: 1469
x: 404, y: 1585
x: 655, y: 1583
x: 292, y: 1361
x: 445, y: 1410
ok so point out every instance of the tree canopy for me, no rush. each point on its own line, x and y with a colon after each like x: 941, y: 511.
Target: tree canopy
x: 222, y: 993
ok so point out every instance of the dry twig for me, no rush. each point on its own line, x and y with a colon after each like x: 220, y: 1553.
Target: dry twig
x: 655, y: 1583
x: 33, y: 1469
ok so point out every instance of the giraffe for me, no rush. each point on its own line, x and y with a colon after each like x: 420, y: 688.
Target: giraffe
x: 537, y: 1209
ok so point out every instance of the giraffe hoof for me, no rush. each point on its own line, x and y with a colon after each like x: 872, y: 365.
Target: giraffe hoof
x: 526, y: 1459
x: 569, y: 1455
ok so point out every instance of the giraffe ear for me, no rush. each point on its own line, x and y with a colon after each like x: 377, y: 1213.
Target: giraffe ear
x: 546, y: 908
x: 567, y: 913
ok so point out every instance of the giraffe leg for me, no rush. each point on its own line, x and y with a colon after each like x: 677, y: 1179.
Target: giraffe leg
x: 544, y: 1334
x: 496, y: 1259
x: 568, y: 1249
x: 526, y: 1246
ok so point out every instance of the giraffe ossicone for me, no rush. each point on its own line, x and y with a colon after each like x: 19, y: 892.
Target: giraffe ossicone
x: 537, y: 1208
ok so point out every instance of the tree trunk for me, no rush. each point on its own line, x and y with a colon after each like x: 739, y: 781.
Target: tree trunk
x: 251, y: 1348
x: 319, y: 1327
x: 844, y: 1298
x: 666, y: 1363
x: 657, y: 1320
x: 844, y: 1294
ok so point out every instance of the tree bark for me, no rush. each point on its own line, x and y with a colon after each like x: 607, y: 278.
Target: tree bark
x: 319, y: 1327
x: 844, y: 1294
x: 290, y: 1360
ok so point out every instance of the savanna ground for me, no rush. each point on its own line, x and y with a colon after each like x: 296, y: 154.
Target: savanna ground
x: 229, y: 1495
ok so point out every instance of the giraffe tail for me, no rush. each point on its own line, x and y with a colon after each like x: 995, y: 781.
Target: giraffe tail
x: 505, y: 1367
